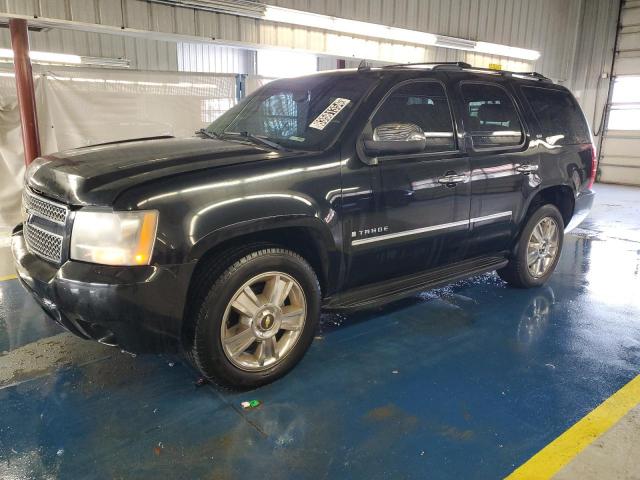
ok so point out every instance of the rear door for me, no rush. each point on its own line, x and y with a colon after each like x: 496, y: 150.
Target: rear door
x: 504, y: 163
x: 418, y: 219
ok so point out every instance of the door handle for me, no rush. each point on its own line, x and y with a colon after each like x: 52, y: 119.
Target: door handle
x: 527, y: 169
x: 452, y: 179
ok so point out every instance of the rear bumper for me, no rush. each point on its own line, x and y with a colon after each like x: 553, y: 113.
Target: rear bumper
x: 583, y: 205
x: 138, y: 309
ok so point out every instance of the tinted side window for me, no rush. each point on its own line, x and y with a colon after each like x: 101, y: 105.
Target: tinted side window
x: 423, y: 104
x: 490, y: 116
x: 559, y: 116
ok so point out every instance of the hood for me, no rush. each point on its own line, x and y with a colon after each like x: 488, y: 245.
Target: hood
x: 97, y: 175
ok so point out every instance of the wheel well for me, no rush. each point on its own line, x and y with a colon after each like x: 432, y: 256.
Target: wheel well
x: 301, y: 240
x: 560, y: 196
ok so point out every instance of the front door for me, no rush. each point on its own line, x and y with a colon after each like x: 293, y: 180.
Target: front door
x: 418, y: 214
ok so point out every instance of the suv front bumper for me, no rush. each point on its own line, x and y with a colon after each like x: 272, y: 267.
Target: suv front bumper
x: 138, y: 309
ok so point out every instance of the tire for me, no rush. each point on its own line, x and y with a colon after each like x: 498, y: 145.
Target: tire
x: 228, y: 315
x: 518, y: 272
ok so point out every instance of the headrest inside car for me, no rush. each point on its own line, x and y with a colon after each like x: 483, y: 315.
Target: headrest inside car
x: 494, y: 113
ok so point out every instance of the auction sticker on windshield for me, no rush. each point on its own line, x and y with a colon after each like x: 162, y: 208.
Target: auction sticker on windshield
x: 329, y: 113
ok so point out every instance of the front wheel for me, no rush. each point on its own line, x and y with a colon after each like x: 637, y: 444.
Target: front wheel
x: 257, y: 319
x: 538, y: 250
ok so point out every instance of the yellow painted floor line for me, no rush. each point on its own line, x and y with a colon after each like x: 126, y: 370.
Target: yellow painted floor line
x: 8, y: 277
x: 548, y: 461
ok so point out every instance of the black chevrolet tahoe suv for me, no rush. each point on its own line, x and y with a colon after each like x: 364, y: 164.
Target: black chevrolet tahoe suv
x: 335, y: 191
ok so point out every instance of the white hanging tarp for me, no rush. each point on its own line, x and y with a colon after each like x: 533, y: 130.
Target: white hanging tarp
x: 80, y: 107
x: 11, y: 154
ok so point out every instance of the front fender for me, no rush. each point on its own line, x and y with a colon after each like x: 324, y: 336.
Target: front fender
x: 317, y: 227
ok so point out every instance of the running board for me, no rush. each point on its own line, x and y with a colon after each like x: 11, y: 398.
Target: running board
x: 390, y: 290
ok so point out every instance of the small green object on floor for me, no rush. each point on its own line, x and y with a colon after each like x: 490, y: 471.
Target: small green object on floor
x: 250, y: 404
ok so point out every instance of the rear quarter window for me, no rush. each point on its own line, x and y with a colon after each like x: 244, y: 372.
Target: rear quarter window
x: 490, y: 116
x: 560, y: 118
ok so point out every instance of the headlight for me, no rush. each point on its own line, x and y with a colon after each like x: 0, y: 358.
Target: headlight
x: 114, y: 238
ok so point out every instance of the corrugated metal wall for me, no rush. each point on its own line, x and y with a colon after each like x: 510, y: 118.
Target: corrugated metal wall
x: 550, y: 26
x: 596, y: 39
x: 210, y: 58
x: 144, y: 54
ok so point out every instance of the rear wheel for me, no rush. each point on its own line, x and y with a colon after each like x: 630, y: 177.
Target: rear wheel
x: 257, y: 319
x: 538, y: 250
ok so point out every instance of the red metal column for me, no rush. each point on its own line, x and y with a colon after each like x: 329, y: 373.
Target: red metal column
x: 25, y: 89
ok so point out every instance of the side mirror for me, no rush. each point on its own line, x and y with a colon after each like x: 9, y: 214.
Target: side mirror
x: 395, y: 138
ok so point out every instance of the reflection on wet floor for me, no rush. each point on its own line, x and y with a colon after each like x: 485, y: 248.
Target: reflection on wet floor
x: 22, y: 321
x: 466, y: 381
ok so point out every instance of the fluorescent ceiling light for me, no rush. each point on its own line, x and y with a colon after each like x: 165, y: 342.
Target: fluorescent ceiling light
x: 106, y: 62
x: 506, y: 51
x: 343, y: 25
x: 366, y: 29
x: 455, y: 43
x: 68, y: 59
x: 48, y: 57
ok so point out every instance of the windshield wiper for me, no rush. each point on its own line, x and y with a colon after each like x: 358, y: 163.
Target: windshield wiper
x: 261, y: 140
x: 207, y: 133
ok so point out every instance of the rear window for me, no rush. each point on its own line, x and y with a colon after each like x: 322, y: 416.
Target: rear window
x: 559, y: 116
x: 490, y: 116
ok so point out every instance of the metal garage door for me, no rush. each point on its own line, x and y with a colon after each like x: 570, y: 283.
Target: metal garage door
x: 620, y: 158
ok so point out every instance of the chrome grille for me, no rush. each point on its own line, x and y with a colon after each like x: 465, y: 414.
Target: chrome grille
x: 44, y: 208
x: 45, y: 244
x: 45, y: 224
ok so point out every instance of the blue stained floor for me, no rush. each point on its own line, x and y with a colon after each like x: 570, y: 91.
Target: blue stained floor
x: 467, y: 382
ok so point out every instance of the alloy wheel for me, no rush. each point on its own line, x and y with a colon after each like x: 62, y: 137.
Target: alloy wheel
x: 263, y: 321
x: 543, y: 246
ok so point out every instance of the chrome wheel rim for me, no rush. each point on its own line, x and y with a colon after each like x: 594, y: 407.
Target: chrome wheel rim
x: 263, y: 321
x: 543, y: 247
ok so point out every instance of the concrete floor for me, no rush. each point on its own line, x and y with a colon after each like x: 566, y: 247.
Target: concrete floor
x: 467, y: 381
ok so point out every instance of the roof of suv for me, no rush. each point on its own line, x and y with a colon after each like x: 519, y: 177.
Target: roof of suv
x: 449, y: 67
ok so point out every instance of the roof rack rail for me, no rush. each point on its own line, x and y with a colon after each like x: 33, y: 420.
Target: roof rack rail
x: 466, y: 66
x: 509, y: 73
x: 451, y: 65
x: 536, y: 75
x: 427, y: 64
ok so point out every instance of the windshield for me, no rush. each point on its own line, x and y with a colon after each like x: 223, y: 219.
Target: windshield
x: 303, y: 113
